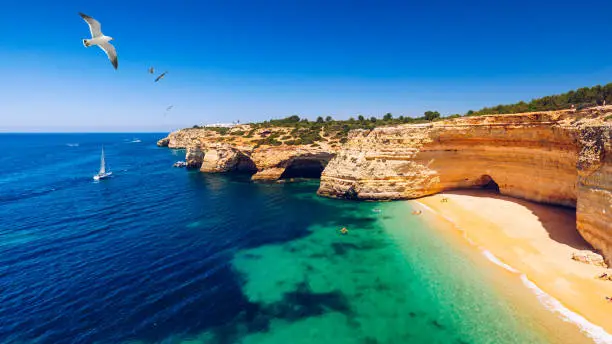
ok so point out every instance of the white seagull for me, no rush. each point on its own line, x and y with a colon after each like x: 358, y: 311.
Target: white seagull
x: 100, y: 39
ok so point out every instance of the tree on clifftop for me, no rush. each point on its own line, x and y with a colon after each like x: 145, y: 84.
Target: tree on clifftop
x: 431, y: 115
x: 328, y: 119
x: 319, y: 119
x: 388, y: 117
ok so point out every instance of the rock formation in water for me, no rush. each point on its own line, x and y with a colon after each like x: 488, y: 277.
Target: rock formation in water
x: 241, y: 149
x: 194, y: 157
x: 561, y: 158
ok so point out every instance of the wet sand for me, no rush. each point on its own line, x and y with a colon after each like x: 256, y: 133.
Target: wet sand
x: 537, y: 241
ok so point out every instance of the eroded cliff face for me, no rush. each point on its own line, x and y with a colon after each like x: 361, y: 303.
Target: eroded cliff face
x: 594, y: 208
x: 561, y: 158
x: 238, y: 149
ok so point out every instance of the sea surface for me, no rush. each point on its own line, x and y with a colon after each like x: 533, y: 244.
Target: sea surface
x: 158, y: 254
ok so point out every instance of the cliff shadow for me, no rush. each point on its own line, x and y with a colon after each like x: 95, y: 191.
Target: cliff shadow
x: 558, y: 221
x: 303, y: 168
x: 245, y: 165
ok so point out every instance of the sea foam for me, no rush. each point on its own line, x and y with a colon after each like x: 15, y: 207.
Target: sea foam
x: 597, y: 333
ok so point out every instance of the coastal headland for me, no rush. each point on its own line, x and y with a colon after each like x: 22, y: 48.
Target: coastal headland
x: 552, y: 157
x: 548, y: 177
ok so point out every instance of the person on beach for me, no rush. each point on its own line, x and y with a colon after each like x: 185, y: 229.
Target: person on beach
x: 608, y: 298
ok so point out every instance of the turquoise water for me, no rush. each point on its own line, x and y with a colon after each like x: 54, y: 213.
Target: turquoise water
x: 162, y: 255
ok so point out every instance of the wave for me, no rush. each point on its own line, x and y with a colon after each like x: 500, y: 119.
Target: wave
x: 72, y: 144
x: 597, y: 333
x: 490, y: 256
x: 27, y: 193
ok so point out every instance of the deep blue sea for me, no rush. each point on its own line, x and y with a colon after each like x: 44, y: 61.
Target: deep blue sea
x: 163, y: 255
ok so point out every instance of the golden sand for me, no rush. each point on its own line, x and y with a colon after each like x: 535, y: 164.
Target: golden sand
x: 538, y: 240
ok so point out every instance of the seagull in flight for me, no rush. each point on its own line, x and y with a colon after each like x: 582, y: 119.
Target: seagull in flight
x: 161, y: 76
x: 99, y: 39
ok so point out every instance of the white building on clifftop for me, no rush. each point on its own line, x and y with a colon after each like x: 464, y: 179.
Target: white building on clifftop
x: 220, y: 125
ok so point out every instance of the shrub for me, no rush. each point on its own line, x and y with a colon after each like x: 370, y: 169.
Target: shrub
x: 431, y: 115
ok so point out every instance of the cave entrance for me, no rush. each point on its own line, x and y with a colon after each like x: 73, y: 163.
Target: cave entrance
x: 245, y: 165
x: 302, y: 168
x: 488, y: 183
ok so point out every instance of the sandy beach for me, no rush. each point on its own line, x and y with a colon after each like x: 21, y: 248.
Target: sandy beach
x: 538, y: 241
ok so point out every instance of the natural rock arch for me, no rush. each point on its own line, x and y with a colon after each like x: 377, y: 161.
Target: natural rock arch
x: 303, y: 168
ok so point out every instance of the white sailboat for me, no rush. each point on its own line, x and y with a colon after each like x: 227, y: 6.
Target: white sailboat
x: 102, y: 173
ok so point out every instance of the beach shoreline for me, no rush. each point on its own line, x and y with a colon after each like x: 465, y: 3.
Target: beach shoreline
x: 535, y: 242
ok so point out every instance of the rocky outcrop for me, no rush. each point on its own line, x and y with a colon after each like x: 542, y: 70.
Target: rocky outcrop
x: 194, y: 157
x: 213, y: 152
x: 272, y: 162
x: 560, y: 158
x: 163, y: 142
x: 589, y: 257
x: 225, y: 158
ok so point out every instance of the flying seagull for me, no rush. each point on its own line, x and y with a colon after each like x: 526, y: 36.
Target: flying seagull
x: 161, y: 76
x: 100, y: 39
x: 151, y: 70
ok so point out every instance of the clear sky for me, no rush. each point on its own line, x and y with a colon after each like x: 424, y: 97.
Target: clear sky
x: 255, y: 60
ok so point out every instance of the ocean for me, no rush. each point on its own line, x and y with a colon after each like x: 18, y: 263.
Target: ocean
x: 158, y: 254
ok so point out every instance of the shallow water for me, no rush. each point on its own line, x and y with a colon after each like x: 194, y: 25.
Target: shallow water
x: 161, y: 255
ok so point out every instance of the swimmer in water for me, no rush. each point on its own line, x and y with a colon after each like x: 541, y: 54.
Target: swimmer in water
x: 344, y: 230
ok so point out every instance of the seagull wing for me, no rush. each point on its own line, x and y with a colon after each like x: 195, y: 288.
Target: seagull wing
x: 94, y: 26
x: 109, y: 49
x: 161, y: 76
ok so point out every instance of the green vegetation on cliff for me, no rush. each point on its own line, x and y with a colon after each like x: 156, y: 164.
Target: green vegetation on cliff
x: 580, y: 98
x: 301, y: 131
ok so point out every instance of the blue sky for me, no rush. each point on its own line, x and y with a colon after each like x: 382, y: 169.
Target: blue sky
x: 255, y: 60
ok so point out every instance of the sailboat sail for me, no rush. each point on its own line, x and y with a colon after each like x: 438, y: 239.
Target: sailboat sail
x: 102, y: 163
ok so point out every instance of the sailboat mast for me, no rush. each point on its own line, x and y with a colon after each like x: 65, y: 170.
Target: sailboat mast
x: 102, y: 162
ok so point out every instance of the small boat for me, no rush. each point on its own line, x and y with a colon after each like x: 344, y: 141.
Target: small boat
x: 102, y: 174
x: 180, y: 164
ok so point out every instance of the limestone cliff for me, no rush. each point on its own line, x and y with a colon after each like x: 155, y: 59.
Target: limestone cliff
x: 244, y: 148
x: 562, y: 158
x: 594, y: 208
